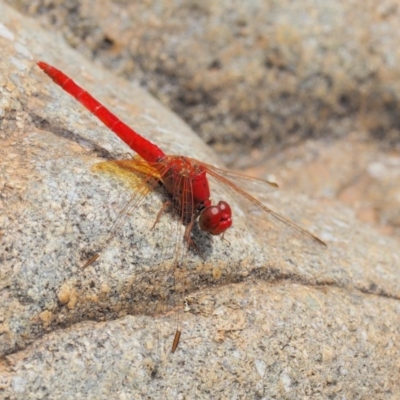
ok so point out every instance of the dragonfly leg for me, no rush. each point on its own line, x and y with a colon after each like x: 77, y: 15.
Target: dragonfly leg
x: 91, y: 260
x: 189, y: 240
x: 224, y: 239
x: 162, y: 209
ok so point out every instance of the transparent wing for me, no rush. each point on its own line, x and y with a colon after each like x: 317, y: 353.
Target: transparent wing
x: 246, y: 182
x: 224, y: 177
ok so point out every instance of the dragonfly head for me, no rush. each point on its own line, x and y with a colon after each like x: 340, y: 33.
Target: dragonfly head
x: 216, y: 219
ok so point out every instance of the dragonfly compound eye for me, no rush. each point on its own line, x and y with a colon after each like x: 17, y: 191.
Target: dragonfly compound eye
x: 216, y: 219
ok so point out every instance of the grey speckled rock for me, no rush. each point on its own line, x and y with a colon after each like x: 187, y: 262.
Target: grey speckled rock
x: 270, y: 315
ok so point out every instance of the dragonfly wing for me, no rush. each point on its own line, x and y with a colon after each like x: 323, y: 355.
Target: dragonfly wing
x: 246, y: 182
x: 132, y: 171
x: 223, y: 177
x: 141, y: 179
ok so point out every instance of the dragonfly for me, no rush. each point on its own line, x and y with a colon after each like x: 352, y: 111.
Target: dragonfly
x: 184, y: 179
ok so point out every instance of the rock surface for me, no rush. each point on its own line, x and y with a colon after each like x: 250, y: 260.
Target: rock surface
x: 264, y: 72
x: 270, y: 315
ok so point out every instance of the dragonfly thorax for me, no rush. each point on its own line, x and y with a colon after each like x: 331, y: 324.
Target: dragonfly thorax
x: 187, y: 184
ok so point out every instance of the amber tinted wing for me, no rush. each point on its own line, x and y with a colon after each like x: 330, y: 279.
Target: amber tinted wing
x: 141, y: 177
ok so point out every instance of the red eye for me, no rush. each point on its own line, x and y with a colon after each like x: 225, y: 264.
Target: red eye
x: 216, y: 219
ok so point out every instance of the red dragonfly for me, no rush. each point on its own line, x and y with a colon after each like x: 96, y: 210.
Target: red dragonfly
x: 184, y: 178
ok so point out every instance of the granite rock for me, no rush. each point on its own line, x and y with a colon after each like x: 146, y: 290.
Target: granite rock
x: 268, y: 314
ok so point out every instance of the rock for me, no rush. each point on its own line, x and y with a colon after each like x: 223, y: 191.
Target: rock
x: 352, y: 170
x: 262, y: 81
x: 264, y: 74
x: 269, y: 314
